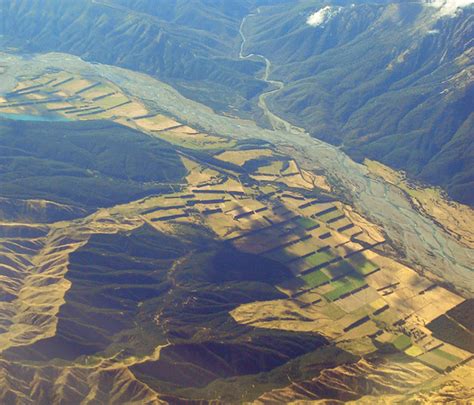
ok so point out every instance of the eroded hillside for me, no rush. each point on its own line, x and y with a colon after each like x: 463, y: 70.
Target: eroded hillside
x: 221, y: 271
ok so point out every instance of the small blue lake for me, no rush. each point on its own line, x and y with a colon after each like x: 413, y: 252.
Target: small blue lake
x: 29, y: 117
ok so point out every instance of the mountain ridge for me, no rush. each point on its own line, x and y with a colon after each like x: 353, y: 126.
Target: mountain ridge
x: 403, y: 98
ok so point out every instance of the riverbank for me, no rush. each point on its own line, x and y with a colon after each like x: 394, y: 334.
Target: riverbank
x: 425, y: 245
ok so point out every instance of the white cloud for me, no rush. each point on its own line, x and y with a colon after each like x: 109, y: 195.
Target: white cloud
x: 449, y: 7
x: 323, y: 15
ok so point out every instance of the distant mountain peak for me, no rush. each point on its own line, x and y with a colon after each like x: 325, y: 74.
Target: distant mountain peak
x: 323, y: 15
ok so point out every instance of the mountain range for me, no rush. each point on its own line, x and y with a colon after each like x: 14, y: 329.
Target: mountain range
x: 390, y: 81
x: 224, y: 201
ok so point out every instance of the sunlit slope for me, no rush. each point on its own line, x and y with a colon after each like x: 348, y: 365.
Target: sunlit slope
x: 153, y: 289
x: 242, y: 278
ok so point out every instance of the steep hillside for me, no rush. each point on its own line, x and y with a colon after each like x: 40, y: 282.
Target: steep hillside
x: 389, y: 82
x: 152, y: 260
x: 154, y: 251
x: 56, y: 165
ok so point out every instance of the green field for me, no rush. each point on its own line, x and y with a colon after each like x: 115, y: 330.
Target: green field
x: 319, y: 258
x: 402, y: 342
x: 339, y: 269
x: 362, y: 265
x: 306, y: 223
x: 447, y: 356
x: 343, y: 286
x: 315, y: 278
x: 439, y: 359
x: 330, y: 215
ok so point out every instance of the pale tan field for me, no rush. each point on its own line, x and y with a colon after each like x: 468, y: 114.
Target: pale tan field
x: 273, y: 169
x: 98, y: 91
x: 239, y: 158
x: 129, y: 110
x: 76, y: 85
x: 36, y: 96
x: 317, y: 180
x: 162, y: 215
x: 195, y: 140
x: 182, y: 130
x: 292, y: 169
x: 58, y: 105
x: 298, y: 181
x: 156, y: 123
x: 301, y: 248
x: 25, y: 84
x: 199, y: 175
x: 15, y: 110
x: 229, y: 185
x: 355, y: 301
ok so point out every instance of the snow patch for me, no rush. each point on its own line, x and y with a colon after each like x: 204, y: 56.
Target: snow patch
x: 449, y: 7
x: 323, y: 15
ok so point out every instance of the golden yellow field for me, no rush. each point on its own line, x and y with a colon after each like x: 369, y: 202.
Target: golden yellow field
x: 240, y: 157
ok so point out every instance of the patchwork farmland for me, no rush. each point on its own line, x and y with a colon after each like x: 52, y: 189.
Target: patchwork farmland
x: 344, y: 287
x: 63, y: 96
x: 343, y: 284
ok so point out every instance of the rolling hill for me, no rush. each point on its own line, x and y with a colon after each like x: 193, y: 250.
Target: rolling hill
x: 61, y: 162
